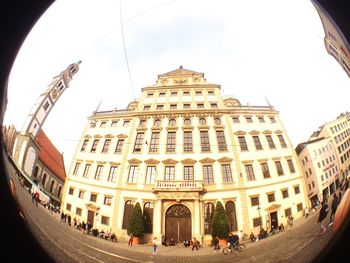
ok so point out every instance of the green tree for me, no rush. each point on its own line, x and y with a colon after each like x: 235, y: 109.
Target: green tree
x: 220, y: 226
x: 136, y: 222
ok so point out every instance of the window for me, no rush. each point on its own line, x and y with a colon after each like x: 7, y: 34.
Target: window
x: 202, y: 121
x: 208, y: 174
x: 187, y: 106
x: 205, y: 141
x: 105, y: 220
x: 249, y: 119
x: 279, y: 168
x: 157, y: 123
x: 86, y: 170
x: 250, y: 172
x: 170, y: 143
x: 188, y: 141
x: 265, y: 170
x: 114, y: 123
x: 208, y: 218
x: 272, y: 119
x: 287, y: 212
x: 200, y: 106
x: 149, y: 95
x: 126, y: 123
x: 291, y: 166
x: 257, y: 221
x: 214, y: 105
x: 81, y: 194
x: 173, y: 94
x: 285, y: 193
x: 187, y: 122
x: 154, y: 142
x: 112, y: 173
x: 161, y: 94
x: 226, y: 173
x: 94, y: 145
x: 257, y: 143
x: 172, y: 122
x: 169, y: 173
x: 148, y: 217
x: 254, y: 200
x: 83, y: 147
x: 235, y: 120
x: 68, y: 207
x: 188, y: 173
x: 107, y: 200
x: 282, y: 142
x: 173, y: 106
x: 211, y: 93
x: 270, y: 142
x: 186, y: 93
x: 93, y: 197
x: 230, y: 210
x: 271, y: 197
x: 99, y: 171
x: 146, y: 108
x: 261, y: 119
x: 299, y: 207
x: 71, y: 191
x: 198, y: 93
x: 138, y: 143
x: 128, y: 208
x: 296, y: 189
x: 119, y: 147
x: 133, y: 171
x: 103, y: 124
x: 151, y: 173
x: 142, y: 123
x: 76, y: 169
x: 46, y: 106
x: 160, y: 107
x: 217, y: 121
x: 78, y: 211
x: 220, y: 136
x: 242, y: 143
x: 106, y: 145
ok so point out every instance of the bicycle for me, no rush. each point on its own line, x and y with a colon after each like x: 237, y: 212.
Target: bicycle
x: 229, y: 249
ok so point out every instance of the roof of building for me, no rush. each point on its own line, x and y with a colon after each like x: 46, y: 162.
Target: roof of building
x: 50, y: 156
x: 301, y: 146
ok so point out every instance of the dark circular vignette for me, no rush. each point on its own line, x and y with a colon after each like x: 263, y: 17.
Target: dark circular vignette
x: 17, y: 17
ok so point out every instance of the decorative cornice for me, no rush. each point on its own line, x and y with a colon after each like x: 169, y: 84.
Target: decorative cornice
x: 266, y: 132
x: 109, y: 136
x: 254, y: 132
x: 225, y: 160
x: 151, y: 161
x: 87, y: 136
x: 134, y: 161
x: 169, y: 161
x: 97, y: 136
x: 122, y: 136
x: 188, y: 161
x: 240, y: 132
x: 207, y: 160
x: 279, y: 132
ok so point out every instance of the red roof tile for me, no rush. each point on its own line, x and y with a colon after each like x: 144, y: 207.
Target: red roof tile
x: 50, y: 156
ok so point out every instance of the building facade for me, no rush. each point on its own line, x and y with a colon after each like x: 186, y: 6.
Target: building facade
x: 321, y: 168
x: 178, y: 150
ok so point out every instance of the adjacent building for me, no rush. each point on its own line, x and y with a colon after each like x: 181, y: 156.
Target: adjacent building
x: 178, y: 150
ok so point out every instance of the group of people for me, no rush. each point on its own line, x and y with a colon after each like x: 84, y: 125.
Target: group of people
x: 324, y: 211
x: 171, y: 242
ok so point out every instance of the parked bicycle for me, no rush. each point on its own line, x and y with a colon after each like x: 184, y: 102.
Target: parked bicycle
x: 231, y: 248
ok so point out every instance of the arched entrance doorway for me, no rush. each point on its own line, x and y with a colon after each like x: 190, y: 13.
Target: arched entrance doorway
x: 178, y: 223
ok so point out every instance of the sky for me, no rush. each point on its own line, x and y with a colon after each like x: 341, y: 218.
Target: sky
x: 258, y: 51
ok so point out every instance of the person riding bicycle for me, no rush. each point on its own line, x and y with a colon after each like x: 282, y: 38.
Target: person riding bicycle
x: 234, y: 241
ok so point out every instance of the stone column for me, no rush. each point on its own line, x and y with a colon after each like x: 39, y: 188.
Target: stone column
x: 158, y: 220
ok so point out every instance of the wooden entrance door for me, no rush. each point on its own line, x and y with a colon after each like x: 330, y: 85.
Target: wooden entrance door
x: 90, y: 216
x: 178, y: 223
x: 274, y: 220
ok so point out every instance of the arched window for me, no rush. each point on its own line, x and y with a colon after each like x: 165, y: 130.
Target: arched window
x: 187, y: 122
x: 36, y: 172
x: 157, y: 123
x: 231, y: 215
x: 52, y: 185
x: 208, y: 217
x: 202, y: 121
x: 128, y: 207
x: 172, y: 122
x: 217, y: 121
x: 44, y: 180
x: 148, y: 217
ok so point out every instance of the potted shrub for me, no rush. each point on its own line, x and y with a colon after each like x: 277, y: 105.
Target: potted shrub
x: 220, y: 226
x: 136, y: 224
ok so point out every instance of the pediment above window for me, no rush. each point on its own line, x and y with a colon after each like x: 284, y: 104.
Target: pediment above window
x: 279, y: 132
x: 109, y: 136
x: 122, y: 136
x: 188, y: 161
x: 267, y: 132
x: 170, y: 161
x: 254, y: 132
x: 225, y: 160
x: 97, y: 136
x: 240, y: 132
x: 87, y: 136
x: 152, y: 161
x: 134, y: 161
x: 207, y: 160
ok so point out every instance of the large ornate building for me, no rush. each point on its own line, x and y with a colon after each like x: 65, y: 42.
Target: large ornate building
x: 178, y: 150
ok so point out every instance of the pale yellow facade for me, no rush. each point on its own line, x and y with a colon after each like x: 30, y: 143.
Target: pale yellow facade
x: 177, y: 151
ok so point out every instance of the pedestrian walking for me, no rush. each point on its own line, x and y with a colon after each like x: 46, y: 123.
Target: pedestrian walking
x: 334, y: 207
x: 36, y: 198
x: 322, y: 216
x: 290, y: 223
x: 131, y: 239
x: 155, y: 244
x: 306, y: 211
x: 216, y: 244
x: 195, y: 244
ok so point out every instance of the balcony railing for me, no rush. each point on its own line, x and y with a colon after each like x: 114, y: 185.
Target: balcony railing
x: 169, y: 185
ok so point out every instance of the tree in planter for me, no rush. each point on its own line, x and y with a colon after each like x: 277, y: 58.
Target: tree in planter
x: 220, y: 226
x: 136, y: 222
